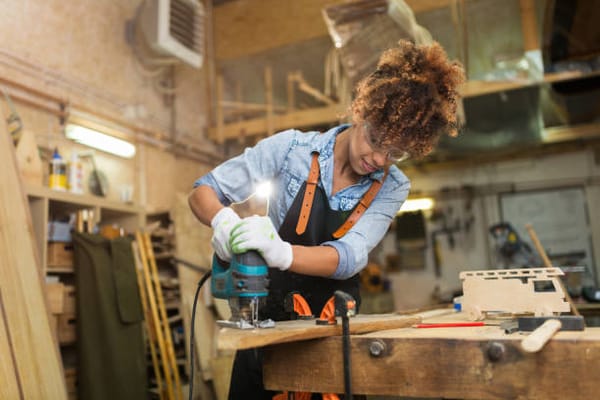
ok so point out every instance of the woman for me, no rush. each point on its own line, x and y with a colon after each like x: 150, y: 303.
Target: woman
x: 336, y: 193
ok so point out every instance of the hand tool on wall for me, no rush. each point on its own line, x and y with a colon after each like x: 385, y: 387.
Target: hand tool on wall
x: 448, y: 229
x: 243, y: 282
x: 512, y: 251
x: 371, y: 278
x: 98, y: 183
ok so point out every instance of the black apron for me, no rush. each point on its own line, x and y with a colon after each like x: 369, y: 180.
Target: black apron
x: 246, y: 380
x: 323, y: 221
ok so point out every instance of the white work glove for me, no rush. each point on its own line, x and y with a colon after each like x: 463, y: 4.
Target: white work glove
x: 222, y: 223
x: 258, y: 233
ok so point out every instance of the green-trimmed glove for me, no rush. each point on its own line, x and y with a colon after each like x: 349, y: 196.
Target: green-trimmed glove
x: 258, y: 233
x: 223, y: 223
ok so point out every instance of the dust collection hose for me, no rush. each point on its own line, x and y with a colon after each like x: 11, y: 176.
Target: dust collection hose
x: 200, y: 283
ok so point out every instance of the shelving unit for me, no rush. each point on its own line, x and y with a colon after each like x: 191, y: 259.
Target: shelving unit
x: 327, y: 115
x: 46, y: 204
x: 56, y: 261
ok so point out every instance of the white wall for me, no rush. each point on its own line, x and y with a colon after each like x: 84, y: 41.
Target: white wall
x: 474, y: 249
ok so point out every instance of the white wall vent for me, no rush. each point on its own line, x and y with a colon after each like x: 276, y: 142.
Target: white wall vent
x: 175, y: 28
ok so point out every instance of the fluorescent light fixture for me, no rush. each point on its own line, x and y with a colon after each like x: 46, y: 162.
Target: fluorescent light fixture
x: 425, y: 203
x: 264, y: 189
x: 100, y: 141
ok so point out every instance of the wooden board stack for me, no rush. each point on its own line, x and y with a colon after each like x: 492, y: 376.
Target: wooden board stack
x: 31, y: 368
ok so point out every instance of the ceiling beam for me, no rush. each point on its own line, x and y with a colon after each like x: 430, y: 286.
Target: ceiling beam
x: 297, y: 119
x: 246, y: 27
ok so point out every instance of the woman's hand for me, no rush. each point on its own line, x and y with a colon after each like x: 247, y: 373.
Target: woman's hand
x: 223, y: 223
x: 258, y: 233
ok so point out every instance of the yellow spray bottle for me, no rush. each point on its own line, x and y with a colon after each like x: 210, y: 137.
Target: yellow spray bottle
x: 58, y: 172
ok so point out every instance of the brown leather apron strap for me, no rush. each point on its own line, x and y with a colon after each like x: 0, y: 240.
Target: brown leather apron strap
x: 309, y: 194
x: 360, y: 208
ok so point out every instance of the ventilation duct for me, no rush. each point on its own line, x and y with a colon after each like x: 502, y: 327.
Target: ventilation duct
x: 174, y: 28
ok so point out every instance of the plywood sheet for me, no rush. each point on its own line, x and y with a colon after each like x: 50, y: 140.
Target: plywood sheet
x: 292, y: 331
x: 25, y: 328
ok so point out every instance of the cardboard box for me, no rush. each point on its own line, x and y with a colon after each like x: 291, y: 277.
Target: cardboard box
x: 60, y: 256
x: 69, y: 302
x: 66, y: 329
x: 59, y: 231
x: 55, y: 293
x: 71, y: 381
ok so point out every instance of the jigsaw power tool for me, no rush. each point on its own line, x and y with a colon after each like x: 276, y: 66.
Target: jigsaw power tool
x: 244, y: 282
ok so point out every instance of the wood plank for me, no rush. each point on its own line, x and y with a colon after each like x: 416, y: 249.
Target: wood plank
x: 568, y: 133
x: 296, y: 119
x: 25, y: 326
x: 332, y: 113
x: 10, y: 387
x: 83, y: 200
x: 529, y: 25
x: 442, y: 363
x: 245, y: 27
x: 292, y: 331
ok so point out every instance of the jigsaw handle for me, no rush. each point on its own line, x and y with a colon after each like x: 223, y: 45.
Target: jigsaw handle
x: 540, y: 336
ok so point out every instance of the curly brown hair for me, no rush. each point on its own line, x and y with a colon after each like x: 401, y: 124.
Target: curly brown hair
x: 410, y: 100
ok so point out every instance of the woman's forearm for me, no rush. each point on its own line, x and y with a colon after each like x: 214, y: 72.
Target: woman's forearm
x: 314, y: 260
x: 204, y: 203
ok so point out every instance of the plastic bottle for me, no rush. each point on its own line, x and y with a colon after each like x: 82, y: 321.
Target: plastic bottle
x: 75, y: 174
x: 58, y: 172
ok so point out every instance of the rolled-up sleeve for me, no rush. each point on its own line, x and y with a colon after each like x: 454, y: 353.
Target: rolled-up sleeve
x: 235, y: 179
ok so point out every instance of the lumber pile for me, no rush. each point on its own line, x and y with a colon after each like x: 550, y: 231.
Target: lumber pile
x: 157, y: 326
x: 30, y: 367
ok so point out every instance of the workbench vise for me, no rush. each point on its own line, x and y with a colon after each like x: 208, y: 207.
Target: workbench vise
x: 244, y: 283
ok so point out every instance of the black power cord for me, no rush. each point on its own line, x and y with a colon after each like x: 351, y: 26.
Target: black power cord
x: 200, y: 283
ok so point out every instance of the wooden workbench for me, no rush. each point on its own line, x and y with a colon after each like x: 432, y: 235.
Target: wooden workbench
x: 463, y: 363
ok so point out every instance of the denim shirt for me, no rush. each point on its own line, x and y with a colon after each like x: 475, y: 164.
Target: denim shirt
x: 284, y: 159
